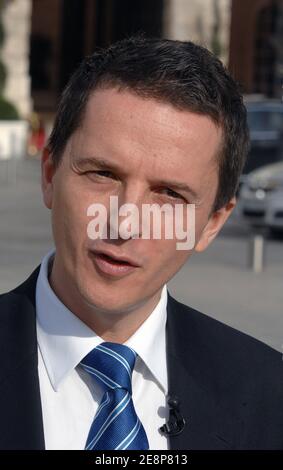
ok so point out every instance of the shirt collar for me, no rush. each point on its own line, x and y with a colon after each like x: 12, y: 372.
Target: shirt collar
x: 64, y: 340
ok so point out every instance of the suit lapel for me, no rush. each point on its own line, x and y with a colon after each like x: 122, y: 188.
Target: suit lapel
x: 208, y: 425
x: 21, y: 425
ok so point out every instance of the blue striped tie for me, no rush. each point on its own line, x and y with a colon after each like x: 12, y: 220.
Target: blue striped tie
x: 116, y: 424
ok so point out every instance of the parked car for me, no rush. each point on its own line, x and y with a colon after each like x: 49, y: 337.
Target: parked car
x: 260, y: 199
x: 265, y: 120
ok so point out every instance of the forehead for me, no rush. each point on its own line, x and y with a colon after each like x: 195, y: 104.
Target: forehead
x: 144, y: 131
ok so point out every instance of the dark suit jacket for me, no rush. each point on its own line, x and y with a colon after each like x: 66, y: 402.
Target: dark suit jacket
x: 230, y: 385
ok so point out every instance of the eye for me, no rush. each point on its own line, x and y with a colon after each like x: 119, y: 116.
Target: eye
x: 173, y: 194
x: 101, y: 173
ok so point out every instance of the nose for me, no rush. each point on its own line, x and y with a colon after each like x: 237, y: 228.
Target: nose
x: 126, y: 212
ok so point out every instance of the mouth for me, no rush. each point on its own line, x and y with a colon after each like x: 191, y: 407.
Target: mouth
x: 112, y: 265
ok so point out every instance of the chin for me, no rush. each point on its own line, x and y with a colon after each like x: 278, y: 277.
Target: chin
x: 102, y: 296
x: 108, y: 294
x: 110, y: 303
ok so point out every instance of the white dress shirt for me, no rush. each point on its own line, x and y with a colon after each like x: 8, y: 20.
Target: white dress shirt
x: 69, y: 395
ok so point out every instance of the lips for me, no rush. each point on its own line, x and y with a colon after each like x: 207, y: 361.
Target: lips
x: 113, y: 265
x: 112, y: 260
x: 116, y: 257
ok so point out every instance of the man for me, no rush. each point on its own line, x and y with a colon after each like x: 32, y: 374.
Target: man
x: 148, y: 121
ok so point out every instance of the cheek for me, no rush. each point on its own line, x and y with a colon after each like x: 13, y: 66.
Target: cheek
x: 69, y: 215
x: 167, y: 259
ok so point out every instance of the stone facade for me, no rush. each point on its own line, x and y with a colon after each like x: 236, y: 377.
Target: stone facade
x: 194, y: 20
x: 182, y: 19
x: 15, y: 53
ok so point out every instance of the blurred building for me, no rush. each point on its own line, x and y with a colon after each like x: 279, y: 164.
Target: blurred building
x: 256, y: 45
x: 46, y: 39
x: 15, y: 52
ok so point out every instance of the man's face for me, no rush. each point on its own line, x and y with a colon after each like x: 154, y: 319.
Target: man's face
x: 144, y: 145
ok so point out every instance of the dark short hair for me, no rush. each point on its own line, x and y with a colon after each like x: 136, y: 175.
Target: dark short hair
x: 181, y: 73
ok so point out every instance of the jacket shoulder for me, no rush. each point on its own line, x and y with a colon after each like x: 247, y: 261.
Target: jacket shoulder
x: 224, y: 346
x: 242, y: 376
x: 17, y: 325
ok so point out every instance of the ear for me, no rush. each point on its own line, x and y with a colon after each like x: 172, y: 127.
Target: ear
x: 47, y: 173
x: 214, y: 225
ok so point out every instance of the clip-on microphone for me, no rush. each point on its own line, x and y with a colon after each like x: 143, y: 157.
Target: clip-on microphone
x: 176, y: 422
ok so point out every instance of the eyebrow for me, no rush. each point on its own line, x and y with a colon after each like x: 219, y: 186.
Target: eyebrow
x: 102, y: 163
x: 96, y: 161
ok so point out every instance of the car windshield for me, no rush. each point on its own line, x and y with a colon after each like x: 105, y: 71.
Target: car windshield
x: 265, y: 120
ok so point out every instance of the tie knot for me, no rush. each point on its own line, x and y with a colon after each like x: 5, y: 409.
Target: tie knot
x: 112, y: 365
